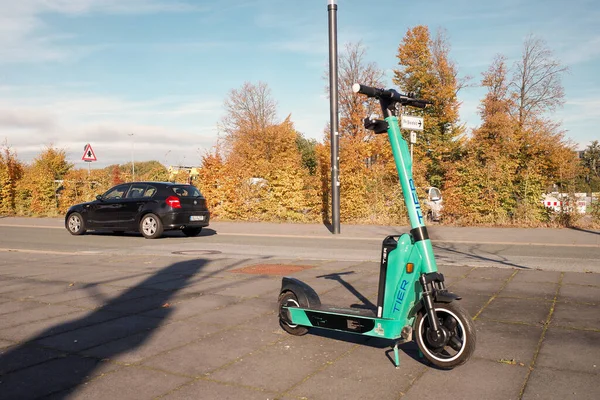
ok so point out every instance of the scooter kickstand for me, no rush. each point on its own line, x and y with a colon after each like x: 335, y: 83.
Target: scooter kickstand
x: 396, y: 358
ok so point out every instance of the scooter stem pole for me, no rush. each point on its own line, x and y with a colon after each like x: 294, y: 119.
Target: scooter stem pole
x: 409, y: 191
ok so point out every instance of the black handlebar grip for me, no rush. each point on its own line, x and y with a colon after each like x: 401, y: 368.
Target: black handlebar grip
x: 366, y: 90
x: 390, y: 94
x: 419, y: 103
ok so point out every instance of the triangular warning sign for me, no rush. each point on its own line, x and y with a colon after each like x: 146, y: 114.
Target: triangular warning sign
x: 88, y: 154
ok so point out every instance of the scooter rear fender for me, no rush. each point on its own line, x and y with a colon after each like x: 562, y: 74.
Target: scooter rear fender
x: 307, y: 297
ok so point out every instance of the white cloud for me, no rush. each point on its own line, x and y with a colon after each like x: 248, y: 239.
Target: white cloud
x: 25, y: 37
x: 184, y: 126
x: 26, y: 118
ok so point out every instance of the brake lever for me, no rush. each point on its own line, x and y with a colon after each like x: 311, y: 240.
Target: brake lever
x: 375, y: 125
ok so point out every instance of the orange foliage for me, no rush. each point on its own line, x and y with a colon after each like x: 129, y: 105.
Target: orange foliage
x: 11, y: 171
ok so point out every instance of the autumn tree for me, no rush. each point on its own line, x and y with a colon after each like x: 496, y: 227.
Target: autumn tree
x: 536, y: 83
x: 517, y: 152
x: 262, y: 175
x: 38, y: 188
x: 116, y: 175
x: 53, y: 160
x: 307, y: 149
x: 590, y: 162
x: 480, y: 186
x: 210, y: 179
x: 545, y: 157
x: 369, y: 189
x: 291, y: 192
x: 181, y: 176
x: 81, y: 185
x: 248, y: 109
x: 75, y: 189
x: 11, y: 172
x: 427, y: 71
x: 156, y: 173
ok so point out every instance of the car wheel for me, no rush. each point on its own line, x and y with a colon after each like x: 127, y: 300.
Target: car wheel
x: 75, y: 224
x: 151, y: 226
x: 190, y: 232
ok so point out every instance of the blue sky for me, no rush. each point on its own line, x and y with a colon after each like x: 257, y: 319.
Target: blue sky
x: 96, y: 71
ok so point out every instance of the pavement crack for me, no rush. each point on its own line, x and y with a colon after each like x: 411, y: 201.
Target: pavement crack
x: 542, y: 337
x: 412, y: 383
x: 323, y: 367
x: 506, y: 282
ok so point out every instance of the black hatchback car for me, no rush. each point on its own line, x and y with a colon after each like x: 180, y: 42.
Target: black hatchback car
x: 146, y: 207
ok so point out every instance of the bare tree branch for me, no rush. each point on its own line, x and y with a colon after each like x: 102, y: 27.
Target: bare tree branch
x: 536, y: 83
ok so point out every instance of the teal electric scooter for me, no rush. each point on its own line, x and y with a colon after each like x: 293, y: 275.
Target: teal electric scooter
x: 412, y: 302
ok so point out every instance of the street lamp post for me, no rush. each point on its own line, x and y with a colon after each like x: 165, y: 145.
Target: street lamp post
x: 132, y: 162
x: 334, y: 117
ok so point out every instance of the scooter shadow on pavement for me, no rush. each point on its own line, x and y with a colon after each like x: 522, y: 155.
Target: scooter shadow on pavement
x: 471, y: 254
x: 337, y: 276
x: 410, y: 349
x: 585, y: 230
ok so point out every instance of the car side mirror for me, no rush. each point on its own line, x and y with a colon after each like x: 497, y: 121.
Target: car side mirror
x: 99, y: 197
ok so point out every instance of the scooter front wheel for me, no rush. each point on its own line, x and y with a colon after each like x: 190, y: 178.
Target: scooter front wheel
x: 458, y: 331
x: 289, y: 299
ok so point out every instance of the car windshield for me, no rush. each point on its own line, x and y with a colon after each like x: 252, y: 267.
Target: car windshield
x: 116, y: 193
x: 186, y: 191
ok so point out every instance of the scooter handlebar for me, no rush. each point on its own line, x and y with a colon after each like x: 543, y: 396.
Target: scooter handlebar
x: 389, y: 94
x: 366, y: 90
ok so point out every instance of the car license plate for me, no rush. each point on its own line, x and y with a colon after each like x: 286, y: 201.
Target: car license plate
x: 197, y: 218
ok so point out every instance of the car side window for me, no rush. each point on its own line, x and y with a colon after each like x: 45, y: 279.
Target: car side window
x: 118, y: 192
x: 150, y: 191
x: 186, y: 191
x: 181, y: 192
x: 137, y: 191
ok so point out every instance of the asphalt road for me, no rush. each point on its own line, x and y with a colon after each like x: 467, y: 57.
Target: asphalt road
x: 545, y: 249
x: 101, y: 316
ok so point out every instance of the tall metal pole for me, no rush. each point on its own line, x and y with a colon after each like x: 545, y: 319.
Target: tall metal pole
x: 333, y: 114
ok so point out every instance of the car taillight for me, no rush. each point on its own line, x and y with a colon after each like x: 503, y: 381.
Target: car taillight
x: 173, y: 202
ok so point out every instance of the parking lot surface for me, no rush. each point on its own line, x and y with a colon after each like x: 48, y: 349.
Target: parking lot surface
x: 197, y: 326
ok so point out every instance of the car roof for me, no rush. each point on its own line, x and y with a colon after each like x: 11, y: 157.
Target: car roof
x: 154, y: 183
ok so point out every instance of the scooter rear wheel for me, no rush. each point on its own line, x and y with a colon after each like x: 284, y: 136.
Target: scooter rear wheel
x: 458, y: 327
x: 289, y: 299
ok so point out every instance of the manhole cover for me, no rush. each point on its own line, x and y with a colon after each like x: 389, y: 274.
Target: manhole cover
x: 195, y: 252
x: 272, y: 269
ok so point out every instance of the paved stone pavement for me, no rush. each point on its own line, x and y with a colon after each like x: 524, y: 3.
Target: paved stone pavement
x: 135, y: 327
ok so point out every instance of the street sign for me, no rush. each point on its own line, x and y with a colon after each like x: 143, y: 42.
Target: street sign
x: 412, y: 123
x: 88, y: 154
x: 413, y: 137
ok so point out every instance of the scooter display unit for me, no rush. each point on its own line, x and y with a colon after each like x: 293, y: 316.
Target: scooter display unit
x: 413, y: 302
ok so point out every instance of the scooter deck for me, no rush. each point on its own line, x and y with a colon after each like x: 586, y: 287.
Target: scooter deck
x: 359, y: 312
